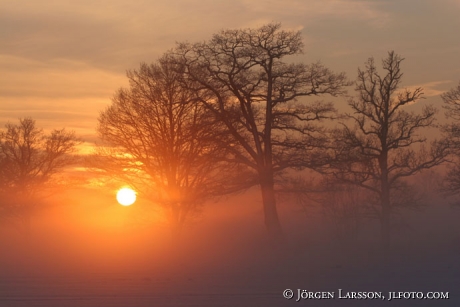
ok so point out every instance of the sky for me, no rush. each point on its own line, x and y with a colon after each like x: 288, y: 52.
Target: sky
x: 62, y: 61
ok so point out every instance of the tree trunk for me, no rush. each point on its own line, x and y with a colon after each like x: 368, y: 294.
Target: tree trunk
x: 175, y: 221
x: 385, y: 224
x: 385, y: 204
x: 272, y: 221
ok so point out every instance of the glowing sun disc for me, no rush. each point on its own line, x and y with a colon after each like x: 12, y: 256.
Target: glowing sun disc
x: 126, y: 196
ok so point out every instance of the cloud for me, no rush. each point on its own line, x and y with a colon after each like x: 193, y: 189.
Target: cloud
x: 317, y: 9
x: 59, y: 58
x: 430, y: 89
x: 119, y: 34
x: 57, y: 93
x: 108, y: 34
x: 55, y: 79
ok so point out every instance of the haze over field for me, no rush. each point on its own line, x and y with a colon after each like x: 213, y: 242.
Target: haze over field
x: 62, y: 64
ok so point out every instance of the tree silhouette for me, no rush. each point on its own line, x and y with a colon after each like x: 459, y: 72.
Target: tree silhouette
x: 29, y: 159
x: 452, y: 131
x: 241, y: 77
x: 379, y: 150
x: 452, y: 102
x: 162, y: 141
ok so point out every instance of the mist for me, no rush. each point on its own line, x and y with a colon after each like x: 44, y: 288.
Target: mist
x: 93, y: 252
x: 275, y: 161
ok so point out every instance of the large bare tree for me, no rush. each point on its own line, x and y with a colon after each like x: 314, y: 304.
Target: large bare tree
x: 162, y: 141
x: 245, y: 79
x: 385, y: 142
x: 29, y: 160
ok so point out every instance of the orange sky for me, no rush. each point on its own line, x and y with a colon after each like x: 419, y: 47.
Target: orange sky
x: 61, y: 61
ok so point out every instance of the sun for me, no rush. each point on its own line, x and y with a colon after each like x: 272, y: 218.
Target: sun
x: 126, y: 196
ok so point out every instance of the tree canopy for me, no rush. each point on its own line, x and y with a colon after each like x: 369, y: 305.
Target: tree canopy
x: 29, y: 159
x: 244, y: 78
x: 379, y: 149
x: 161, y: 139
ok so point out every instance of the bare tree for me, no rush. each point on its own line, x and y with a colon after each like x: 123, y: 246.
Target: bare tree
x: 379, y: 150
x: 241, y: 76
x: 452, y: 102
x: 452, y: 131
x: 29, y: 159
x: 162, y: 141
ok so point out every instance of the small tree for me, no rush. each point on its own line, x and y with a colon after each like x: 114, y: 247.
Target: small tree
x: 29, y: 159
x: 241, y: 76
x: 162, y: 140
x: 378, y: 151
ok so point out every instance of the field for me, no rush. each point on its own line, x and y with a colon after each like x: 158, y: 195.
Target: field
x: 223, y: 259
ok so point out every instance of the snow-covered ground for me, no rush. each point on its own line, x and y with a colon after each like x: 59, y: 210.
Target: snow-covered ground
x: 225, y: 259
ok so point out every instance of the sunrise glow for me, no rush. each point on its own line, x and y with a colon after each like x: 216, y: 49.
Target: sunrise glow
x: 229, y: 153
x: 126, y: 196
